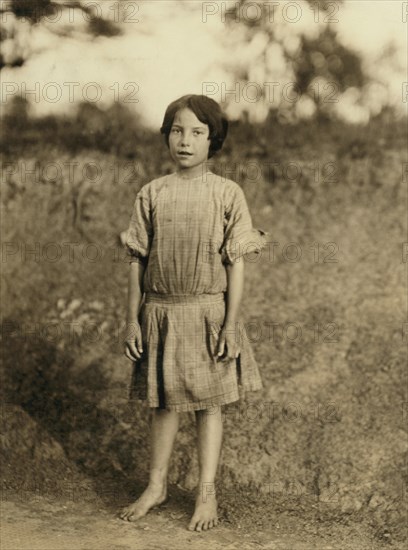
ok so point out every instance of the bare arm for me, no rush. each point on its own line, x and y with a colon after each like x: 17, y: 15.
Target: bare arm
x: 230, y: 331
x: 135, y: 290
x: 133, y: 344
x: 235, y: 287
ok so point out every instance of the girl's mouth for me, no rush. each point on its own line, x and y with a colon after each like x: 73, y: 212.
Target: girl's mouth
x: 184, y: 154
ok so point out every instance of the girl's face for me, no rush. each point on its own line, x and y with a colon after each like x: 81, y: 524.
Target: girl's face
x: 189, y: 141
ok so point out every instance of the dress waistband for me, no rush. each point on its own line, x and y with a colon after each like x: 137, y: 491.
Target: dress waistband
x: 154, y: 297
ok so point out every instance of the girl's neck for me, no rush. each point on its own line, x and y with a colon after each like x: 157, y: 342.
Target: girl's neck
x: 189, y: 178
x: 190, y: 173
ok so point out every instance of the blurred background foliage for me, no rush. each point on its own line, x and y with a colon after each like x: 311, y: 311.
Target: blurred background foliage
x: 329, y: 62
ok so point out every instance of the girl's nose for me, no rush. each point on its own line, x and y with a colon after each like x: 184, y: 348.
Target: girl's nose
x: 185, y: 140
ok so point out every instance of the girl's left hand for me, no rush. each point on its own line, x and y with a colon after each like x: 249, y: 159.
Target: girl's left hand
x: 228, y: 344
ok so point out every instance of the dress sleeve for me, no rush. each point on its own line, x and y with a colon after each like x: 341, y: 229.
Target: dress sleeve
x: 140, y: 231
x: 240, y: 237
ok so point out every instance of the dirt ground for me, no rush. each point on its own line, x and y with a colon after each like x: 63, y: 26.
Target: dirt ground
x: 39, y: 523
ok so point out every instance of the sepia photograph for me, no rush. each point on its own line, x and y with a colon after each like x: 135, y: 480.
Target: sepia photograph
x: 204, y: 274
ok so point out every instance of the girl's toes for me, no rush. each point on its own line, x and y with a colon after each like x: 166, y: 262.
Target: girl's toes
x: 192, y: 526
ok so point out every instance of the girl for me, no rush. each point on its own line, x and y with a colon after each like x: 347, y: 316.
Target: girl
x: 187, y: 237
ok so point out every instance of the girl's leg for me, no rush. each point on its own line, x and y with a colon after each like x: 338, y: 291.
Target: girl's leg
x: 163, y: 433
x: 209, y: 433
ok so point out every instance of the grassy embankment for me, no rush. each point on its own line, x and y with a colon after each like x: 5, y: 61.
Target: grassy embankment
x: 326, y: 437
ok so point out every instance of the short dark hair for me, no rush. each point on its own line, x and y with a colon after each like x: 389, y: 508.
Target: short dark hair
x: 207, y: 111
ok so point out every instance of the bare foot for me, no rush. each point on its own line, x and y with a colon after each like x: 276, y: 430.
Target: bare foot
x: 154, y: 495
x: 205, y: 513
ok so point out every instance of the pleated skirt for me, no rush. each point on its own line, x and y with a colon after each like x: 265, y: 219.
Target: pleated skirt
x: 179, y: 369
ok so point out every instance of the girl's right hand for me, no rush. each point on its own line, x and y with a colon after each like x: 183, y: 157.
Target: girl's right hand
x: 133, y: 341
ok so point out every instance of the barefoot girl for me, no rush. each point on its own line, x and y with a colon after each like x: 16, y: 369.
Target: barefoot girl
x: 187, y: 236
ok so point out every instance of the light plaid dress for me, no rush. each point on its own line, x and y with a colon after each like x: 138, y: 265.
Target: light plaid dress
x: 184, y: 231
